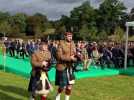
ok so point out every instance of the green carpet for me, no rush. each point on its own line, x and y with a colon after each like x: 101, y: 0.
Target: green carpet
x: 23, y: 68
x: 129, y: 71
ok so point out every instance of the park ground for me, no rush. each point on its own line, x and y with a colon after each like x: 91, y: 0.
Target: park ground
x: 120, y: 87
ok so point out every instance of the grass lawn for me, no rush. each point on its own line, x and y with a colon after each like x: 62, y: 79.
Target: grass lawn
x: 14, y: 87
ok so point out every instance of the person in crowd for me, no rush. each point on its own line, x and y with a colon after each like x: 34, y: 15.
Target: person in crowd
x: 132, y: 52
x: 23, y: 50
x: 106, y: 57
x: 95, y: 55
x: 32, y: 48
x: 36, y: 47
x: 77, y: 65
x: 53, y: 49
x: 2, y: 48
x: 7, y: 44
x: 28, y: 48
x: 12, y: 48
x: 85, y: 59
x: 117, y: 56
x: 89, y: 49
x: 18, y: 45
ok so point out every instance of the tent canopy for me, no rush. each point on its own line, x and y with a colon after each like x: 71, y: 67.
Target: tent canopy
x: 130, y: 23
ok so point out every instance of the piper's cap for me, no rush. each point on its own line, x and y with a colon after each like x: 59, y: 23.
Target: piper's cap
x: 68, y: 33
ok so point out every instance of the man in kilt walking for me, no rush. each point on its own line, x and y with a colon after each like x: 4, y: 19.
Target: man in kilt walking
x: 39, y: 83
x: 66, y: 53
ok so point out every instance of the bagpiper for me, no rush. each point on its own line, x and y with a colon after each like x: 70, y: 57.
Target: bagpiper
x: 39, y: 83
x: 65, y: 78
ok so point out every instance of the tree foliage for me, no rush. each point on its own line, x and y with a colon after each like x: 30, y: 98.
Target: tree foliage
x: 5, y: 28
x: 119, y: 35
x: 110, y: 12
x: 85, y: 21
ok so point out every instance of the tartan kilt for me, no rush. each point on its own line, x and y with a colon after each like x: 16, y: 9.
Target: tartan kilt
x: 35, y: 84
x: 65, y: 77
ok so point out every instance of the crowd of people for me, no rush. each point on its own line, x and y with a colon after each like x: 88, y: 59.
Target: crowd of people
x: 96, y: 53
x: 19, y: 48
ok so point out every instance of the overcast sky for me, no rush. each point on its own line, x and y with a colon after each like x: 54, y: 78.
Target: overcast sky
x: 52, y: 8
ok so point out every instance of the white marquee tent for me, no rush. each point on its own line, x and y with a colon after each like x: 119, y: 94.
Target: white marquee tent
x: 128, y: 24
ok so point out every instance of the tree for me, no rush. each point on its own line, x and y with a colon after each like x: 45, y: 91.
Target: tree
x: 131, y: 18
x: 93, y: 33
x: 36, y: 24
x: 110, y: 12
x: 60, y: 29
x: 88, y: 33
x: 83, y: 15
x: 66, y: 21
x: 102, y: 36
x: 4, y: 16
x: 43, y: 22
x: 84, y: 33
x: 18, y: 23
x: 132, y: 14
x: 5, y: 28
x: 119, y: 35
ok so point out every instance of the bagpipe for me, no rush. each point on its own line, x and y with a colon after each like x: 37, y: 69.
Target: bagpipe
x: 39, y: 69
x: 42, y: 85
x: 79, y: 60
x: 48, y: 67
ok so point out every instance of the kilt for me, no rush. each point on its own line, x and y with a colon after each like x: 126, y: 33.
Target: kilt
x: 36, y: 84
x: 65, y: 77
